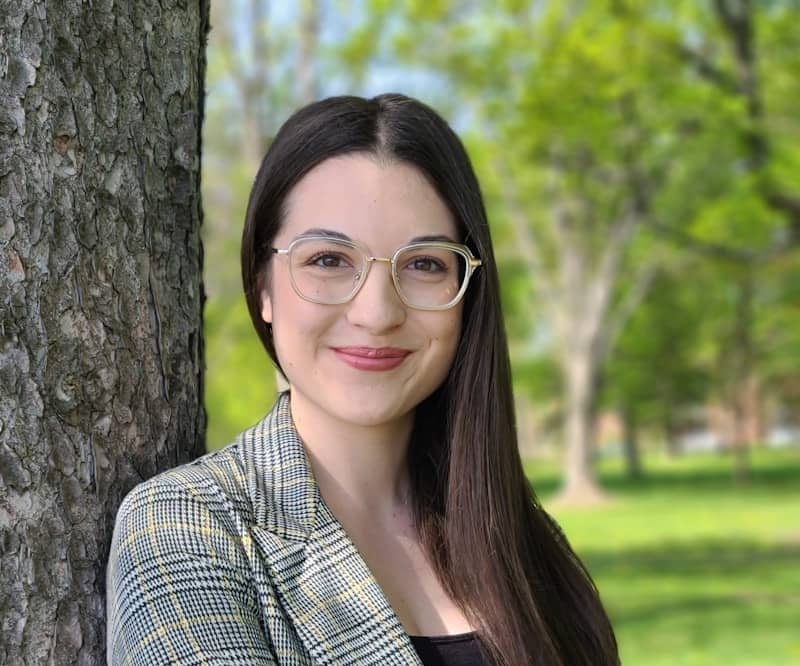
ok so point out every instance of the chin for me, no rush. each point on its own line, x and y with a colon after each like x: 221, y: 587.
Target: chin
x: 366, y: 405
x: 366, y: 413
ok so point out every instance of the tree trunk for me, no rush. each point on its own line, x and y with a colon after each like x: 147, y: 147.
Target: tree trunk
x: 584, y: 323
x: 743, y: 377
x: 580, y: 482
x: 633, y: 463
x: 671, y: 434
x: 578, y: 299
x: 100, y: 295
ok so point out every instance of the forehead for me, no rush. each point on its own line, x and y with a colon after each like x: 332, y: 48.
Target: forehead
x: 382, y: 204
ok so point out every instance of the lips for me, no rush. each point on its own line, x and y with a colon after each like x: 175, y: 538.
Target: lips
x: 372, y: 358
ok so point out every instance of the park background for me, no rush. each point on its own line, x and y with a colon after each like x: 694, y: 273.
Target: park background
x: 640, y: 166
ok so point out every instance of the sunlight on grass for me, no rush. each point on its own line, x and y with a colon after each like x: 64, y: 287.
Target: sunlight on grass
x: 695, y: 570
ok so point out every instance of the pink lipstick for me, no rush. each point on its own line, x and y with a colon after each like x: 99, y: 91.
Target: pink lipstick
x: 372, y: 358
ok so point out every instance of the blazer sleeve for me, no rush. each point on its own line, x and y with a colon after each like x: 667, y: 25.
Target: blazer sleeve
x: 179, y: 586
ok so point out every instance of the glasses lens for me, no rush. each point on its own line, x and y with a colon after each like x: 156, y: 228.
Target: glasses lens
x: 429, y: 275
x: 325, y: 270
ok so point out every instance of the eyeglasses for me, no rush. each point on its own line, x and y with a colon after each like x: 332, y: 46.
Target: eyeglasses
x: 430, y: 275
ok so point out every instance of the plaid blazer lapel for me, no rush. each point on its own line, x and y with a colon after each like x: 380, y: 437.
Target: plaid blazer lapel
x: 322, y: 583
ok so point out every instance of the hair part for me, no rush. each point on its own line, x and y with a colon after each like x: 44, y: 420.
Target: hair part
x: 498, y: 553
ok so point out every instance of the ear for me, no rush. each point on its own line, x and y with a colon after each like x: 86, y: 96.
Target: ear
x: 266, y: 307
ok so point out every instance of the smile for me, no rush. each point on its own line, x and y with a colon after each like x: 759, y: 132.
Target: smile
x: 371, y: 358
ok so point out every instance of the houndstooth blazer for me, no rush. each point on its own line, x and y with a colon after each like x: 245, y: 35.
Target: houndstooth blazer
x: 236, y: 559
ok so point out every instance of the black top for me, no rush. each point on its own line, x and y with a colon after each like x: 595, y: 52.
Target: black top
x: 455, y: 650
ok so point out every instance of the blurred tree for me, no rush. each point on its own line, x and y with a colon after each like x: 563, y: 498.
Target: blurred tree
x: 598, y: 129
x: 748, y: 218
x: 100, y: 295
x: 777, y: 329
x: 657, y: 368
x: 261, y: 67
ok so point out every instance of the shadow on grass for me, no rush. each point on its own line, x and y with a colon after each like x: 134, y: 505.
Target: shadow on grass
x: 775, y: 479
x: 718, y: 558
x: 749, y: 584
x: 690, y: 609
x: 777, y: 475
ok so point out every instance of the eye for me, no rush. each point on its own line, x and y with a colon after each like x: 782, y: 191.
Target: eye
x: 426, y: 265
x: 328, y: 260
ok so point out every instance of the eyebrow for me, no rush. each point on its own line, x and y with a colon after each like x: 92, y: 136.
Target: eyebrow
x: 338, y: 234
x: 324, y: 232
x: 435, y: 237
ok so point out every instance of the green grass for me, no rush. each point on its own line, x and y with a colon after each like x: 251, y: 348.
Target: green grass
x: 695, y: 570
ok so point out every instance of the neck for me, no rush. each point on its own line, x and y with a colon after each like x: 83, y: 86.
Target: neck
x: 361, y: 470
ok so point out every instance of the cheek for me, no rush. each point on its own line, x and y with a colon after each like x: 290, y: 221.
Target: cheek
x: 455, y: 338
x: 299, y: 327
x: 446, y: 336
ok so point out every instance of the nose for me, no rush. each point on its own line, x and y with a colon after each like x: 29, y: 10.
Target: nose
x: 377, y: 306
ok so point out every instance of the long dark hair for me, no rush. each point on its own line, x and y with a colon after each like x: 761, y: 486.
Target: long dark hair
x: 498, y: 553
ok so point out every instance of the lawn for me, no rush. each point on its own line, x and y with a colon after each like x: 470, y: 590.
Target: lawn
x: 695, y: 570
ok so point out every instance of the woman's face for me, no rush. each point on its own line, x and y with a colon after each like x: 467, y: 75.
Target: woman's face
x: 328, y: 352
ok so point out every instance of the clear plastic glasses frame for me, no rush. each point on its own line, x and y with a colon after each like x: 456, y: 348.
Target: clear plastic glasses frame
x: 361, y: 272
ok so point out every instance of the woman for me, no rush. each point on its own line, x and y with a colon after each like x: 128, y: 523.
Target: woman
x: 379, y: 514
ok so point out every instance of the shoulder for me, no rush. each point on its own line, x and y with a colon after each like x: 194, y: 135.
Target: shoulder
x: 262, y: 479
x: 215, y: 482
x: 180, y: 580
x: 196, y: 512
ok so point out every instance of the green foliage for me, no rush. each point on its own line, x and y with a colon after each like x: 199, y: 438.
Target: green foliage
x: 240, y: 378
x: 539, y: 378
x: 657, y: 366
x: 738, y: 216
x: 777, y: 327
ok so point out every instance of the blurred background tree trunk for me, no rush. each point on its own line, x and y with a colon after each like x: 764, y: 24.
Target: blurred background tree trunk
x: 630, y: 441
x: 101, y: 353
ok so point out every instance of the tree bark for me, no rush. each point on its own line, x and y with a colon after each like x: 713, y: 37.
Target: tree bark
x: 100, y: 295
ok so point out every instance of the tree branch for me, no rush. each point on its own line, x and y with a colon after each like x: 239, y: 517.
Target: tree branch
x: 528, y: 245
x: 708, y: 70
x: 725, y: 252
x: 608, y: 269
x: 790, y: 205
x: 737, y: 24
x: 629, y: 304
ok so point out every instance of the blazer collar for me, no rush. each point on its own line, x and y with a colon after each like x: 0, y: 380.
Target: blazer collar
x: 285, y: 497
x: 336, y: 606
